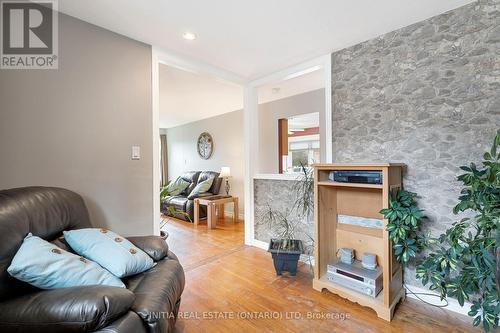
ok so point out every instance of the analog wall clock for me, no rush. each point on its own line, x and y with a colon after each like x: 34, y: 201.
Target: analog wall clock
x: 205, y: 145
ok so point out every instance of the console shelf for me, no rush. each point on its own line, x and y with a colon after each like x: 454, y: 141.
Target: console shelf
x: 363, y: 200
x: 332, y: 183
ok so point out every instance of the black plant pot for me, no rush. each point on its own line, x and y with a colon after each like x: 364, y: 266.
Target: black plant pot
x: 285, y: 258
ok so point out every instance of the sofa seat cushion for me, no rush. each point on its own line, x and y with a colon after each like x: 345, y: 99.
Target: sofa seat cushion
x: 157, y: 292
x: 178, y: 202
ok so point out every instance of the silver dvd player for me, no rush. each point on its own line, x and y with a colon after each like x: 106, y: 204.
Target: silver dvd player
x: 354, y: 276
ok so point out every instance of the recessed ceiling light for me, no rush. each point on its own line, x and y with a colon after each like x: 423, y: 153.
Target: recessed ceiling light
x: 189, y: 35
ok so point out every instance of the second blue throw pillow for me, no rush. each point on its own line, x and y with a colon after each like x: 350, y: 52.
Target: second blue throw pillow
x: 111, y: 251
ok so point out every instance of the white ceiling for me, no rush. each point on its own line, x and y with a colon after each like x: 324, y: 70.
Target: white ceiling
x: 186, y: 97
x: 258, y: 37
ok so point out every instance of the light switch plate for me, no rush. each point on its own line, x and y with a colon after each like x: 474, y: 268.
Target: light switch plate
x: 136, y: 152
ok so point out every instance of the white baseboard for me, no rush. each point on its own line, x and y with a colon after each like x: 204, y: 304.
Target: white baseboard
x: 260, y: 244
x: 229, y: 214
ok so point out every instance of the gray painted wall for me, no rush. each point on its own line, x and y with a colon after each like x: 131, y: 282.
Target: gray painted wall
x: 269, y: 113
x: 227, y: 132
x: 74, y: 127
x: 427, y: 95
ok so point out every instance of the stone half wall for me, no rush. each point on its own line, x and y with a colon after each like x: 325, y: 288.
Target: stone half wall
x: 427, y: 95
x: 278, y: 194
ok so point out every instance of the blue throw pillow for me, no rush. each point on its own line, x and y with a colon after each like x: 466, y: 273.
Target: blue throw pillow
x: 111, y: 251
x: 46, y: 266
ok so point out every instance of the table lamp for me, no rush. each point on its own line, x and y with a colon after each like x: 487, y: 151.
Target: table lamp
x: 225, y: 173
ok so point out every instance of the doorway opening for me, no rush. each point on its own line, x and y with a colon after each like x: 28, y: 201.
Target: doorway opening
x: 200, y: 164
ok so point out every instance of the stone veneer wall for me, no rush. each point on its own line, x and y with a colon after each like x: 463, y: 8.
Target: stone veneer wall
x: 427, y: 95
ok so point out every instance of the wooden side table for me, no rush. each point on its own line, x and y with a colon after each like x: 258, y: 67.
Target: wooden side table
x: 214, y: 203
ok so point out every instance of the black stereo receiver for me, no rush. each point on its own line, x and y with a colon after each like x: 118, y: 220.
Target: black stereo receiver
x: 356, y: 176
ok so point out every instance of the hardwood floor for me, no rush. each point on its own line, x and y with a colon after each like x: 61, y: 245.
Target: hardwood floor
x: 231, y: 287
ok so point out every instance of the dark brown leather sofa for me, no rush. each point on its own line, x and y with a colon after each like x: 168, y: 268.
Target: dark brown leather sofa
x: 149, y: 304
x: 184, y: 202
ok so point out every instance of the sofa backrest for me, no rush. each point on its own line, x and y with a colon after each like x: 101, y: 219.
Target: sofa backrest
x: 192, y: 178
x: 43, y: 211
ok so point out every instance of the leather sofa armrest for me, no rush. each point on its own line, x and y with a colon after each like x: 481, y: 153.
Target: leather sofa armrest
x: 154, y: 246
x: 75, y: 309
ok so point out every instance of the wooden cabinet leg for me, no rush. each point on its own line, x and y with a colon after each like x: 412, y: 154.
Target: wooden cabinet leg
x: 236, y: 210
x: 196, y: 211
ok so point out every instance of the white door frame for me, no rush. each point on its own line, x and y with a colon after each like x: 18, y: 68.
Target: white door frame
x: 251, y: 125
x: 171, y: 59
x: 252, y: 132
x: 155, y: 104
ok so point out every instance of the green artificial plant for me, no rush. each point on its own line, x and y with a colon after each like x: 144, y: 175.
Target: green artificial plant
x: 462, y: 261
x: 284, y: 224
x: 303, y: 190
x: 171, y: 210
x: 281, y: 224
x: 403, y: 225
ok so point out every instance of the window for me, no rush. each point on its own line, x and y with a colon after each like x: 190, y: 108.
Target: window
x: 299, y: 142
